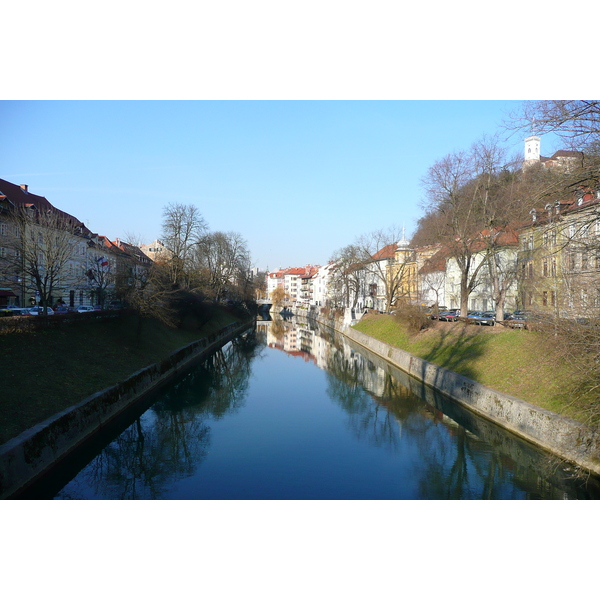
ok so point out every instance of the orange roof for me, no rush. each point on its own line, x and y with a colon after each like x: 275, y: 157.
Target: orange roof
x: 386, y: 252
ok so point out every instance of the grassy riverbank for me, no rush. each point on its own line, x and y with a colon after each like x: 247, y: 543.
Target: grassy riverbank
x: 517, y: 362
x: 45, y: 372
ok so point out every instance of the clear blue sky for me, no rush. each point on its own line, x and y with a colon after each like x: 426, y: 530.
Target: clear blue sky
x: 286, y: 124
x: 298, y: 179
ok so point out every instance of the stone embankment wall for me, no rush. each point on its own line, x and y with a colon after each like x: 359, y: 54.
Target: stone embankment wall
x: 35, y: 451
x: 564, y: 437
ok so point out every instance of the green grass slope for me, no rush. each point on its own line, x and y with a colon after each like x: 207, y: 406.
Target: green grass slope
x: 44, y: 372
x: 517, y: 362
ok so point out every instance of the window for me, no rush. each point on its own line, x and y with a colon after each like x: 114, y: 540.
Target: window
x: 553, y: 267
x: 584, y: 260
x: 553, y: 298
x: 545, y: 267
x: 572, y: 260
x: 545, y: 298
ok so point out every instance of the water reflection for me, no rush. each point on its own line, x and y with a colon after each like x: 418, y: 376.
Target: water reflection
x: 169, y: 442
x: 462, y: 456
x: 223, y: 431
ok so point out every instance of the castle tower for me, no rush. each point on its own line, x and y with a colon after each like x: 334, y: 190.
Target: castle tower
x: 532, y: 148
x: 532, y: 151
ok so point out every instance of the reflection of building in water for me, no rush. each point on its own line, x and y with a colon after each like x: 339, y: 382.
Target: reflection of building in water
x: 372, y: 377
x: 297, y: 338
x: 286, y: 336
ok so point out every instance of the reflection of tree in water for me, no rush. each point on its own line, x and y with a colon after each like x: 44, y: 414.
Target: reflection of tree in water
x: 169, y: 441
x: 278, y: 328
x: 381, y: 410
x: 216, y: 387
x: 376, y: 415
x: 460, y: 466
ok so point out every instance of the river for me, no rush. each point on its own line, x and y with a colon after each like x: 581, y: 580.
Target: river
x: 292, y: 411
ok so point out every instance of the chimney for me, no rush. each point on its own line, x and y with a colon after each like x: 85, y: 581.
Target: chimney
x: 24, y: 187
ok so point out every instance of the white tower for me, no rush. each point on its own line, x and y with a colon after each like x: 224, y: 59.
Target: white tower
x: 532, y: 148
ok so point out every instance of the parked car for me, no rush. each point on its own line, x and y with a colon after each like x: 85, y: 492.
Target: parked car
x: 85, y: 309
x: 448, y: 315
x: 488, y: 318
x: 61, y: 310
x: 478, y: 317
x: 518, y: 320
x: 36, y: 311
x: 9, y: 310
x: 19, y: 311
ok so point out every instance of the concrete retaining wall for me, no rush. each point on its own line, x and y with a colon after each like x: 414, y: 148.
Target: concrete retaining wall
x: 564, y: 437
x: 35, y: 451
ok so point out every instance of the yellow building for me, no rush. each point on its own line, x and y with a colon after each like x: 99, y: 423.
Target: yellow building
x: 559, y: 258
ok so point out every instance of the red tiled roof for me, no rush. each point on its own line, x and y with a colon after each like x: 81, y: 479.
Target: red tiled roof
x: 386, y: 252
x: 19, y: 197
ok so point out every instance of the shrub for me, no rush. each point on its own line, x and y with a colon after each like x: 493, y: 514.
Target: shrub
x: 412, y: 317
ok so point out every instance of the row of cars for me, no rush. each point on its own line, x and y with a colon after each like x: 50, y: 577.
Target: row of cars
x: 476, y: 317
x: 34, y: 311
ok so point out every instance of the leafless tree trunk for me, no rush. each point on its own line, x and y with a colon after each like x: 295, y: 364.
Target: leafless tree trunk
x: 226, y: 260
x: 347, y: 278
x: 376, y: 251
x: 182, y: 228
x: 41, y: 244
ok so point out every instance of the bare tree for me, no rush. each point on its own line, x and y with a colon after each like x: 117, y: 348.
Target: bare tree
x: 152, y: 296
x: 453, y: 194
x: 278, y: 296
x: 348, y: 278
x: 41, y: 244
x: 182, y: 228
x: 472, y: 201
x: 101, y: 275
x: 377, y: 253
x: 225, y: 259
x: 576, y: 122
x: 133, y: 239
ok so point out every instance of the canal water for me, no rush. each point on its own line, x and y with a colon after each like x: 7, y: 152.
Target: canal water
x: 292, y: 411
